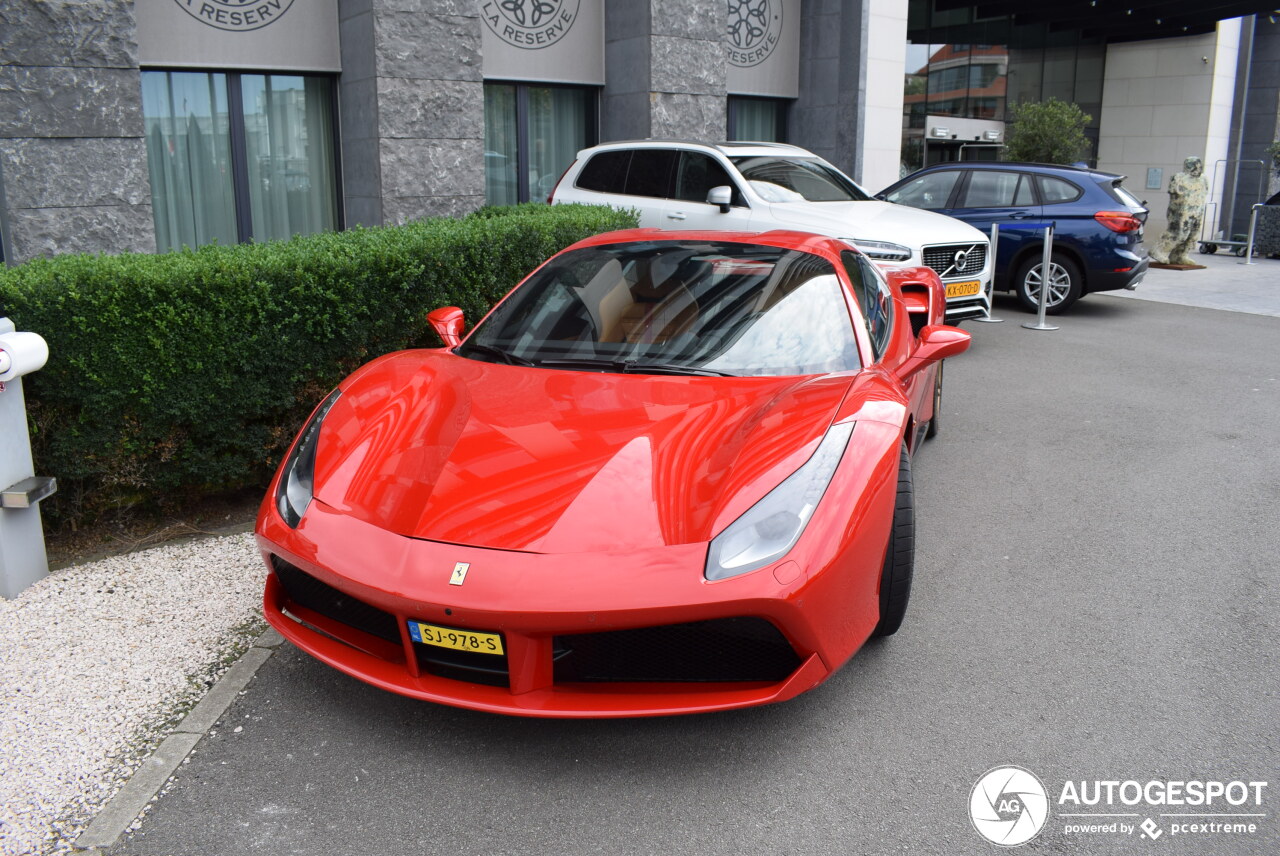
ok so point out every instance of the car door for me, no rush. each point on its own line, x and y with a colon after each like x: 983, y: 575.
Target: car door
x: 990, y: 196
x: 696, y: 174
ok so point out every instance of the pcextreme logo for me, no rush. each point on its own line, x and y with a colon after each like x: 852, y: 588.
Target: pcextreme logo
x: 1009, y: 806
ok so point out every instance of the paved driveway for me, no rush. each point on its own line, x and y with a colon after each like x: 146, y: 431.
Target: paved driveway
x: 1096, y: 599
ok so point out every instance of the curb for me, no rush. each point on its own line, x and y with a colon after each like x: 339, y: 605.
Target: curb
x: 116, y: 816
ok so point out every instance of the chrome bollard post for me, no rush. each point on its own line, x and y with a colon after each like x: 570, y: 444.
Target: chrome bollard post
x: 991, y: 298
x: 1253, y: 230
x: 1046, y: 260
x: 23, y: 560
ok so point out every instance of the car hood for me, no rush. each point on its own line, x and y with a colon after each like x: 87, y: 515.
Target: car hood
x: 431, y: 445
x: 874, y: 220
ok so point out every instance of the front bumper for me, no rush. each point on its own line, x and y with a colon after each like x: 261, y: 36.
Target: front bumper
x: 549, y: 610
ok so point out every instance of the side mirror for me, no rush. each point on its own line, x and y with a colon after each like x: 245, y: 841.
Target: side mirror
x: 447, y: 322
x: 937, y: 342
x: 722, y: 196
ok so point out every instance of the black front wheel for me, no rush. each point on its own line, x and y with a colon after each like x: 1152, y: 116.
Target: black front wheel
x: 1066, y: 283
x: 900, y: 554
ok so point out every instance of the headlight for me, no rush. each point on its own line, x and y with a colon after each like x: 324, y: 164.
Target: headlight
x: 772, y: 526
x: 882, y: 250
x: 297, y: 480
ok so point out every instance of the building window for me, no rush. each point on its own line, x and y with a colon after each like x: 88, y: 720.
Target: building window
x: 239, y: 157
x: 757, y: 119
x: 532, y: 133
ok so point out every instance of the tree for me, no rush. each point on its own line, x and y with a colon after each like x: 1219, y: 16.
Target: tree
x: 1047, y: 132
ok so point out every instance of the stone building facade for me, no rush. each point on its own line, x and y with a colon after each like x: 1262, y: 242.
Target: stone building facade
x: 437, y: 105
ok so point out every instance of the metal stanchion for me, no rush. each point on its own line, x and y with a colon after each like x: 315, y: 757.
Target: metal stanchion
x: 1045, y: 270
x: 991, y: 284
x: 1253, y: 229
x: 22, y: 554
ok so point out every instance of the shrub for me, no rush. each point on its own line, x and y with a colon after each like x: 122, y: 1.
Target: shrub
x: 176, y: 375
x: 1047, y: 132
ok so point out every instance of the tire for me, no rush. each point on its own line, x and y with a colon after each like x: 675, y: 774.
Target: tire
x: 900, y: 554
x: 932, y: 430
x: 1208, y: 248
x: 1066, y: 283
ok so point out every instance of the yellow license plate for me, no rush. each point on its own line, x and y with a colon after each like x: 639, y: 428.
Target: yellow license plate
x: 963, y: 289
x: 452, y: 637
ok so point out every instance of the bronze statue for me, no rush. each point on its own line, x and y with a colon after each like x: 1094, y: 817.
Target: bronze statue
x: 1187, y: 193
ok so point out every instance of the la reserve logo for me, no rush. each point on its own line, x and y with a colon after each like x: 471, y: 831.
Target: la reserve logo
x: 755, y: 26
x: 235, y: 15
x: 529, y: 24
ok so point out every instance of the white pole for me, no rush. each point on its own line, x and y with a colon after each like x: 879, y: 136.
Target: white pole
x: 991, y: 255
x: 1046, y: 260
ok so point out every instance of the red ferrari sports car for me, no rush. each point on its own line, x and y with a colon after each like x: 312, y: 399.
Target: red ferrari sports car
x: 668, y: 473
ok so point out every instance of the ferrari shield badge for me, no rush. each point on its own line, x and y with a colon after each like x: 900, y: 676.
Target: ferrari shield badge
x: 459, y: 574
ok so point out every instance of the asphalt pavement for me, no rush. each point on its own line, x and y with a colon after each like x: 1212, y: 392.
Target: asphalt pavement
x: 1096, y: 598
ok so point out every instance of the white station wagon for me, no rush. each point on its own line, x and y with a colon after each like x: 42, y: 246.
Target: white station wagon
x: 757, y: 187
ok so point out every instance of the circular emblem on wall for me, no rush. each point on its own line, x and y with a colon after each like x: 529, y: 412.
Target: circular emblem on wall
x: 754, y: 29
x: 529, y: 24
x: 235, y: 15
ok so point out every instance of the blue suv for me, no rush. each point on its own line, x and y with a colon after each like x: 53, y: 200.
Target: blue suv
x: 1097, y: 239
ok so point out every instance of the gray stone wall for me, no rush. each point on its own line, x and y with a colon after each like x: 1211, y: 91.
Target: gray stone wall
x: 72, y: 151
x: 412, y: 109
x: 665, y: 65
x: 826, y: 116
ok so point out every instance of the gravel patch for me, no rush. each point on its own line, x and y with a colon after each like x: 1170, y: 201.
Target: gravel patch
x: 99, y: 661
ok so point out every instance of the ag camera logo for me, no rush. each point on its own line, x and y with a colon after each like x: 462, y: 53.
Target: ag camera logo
x: 1008, y: 805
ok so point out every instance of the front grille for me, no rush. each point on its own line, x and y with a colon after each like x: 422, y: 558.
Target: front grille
x: 309, y: 592
x: 488, y: 669
x: 723, y: 649
x: 943, y: 259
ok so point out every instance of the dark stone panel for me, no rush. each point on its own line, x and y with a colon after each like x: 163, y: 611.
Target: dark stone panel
x: 70, y: 102
x: 53, y: 173
x: 625, y: 116
x: 104, y: 229
x: 826, y: 116
x: 352, y: 8
x: 627, y: 66
x: 358, y: 49
x: 363, y: 211
x: 435, y: 109
x: 626, y: 19
x: 432, y: 168
x: 427, y: 46
x: 358, y: 102
x: 361, y: 167
x: 99, y: 34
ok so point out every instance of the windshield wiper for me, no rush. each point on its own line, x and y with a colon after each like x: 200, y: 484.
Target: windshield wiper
x: 506, y: 356
x: 629, y: 366
x: 672, y: 368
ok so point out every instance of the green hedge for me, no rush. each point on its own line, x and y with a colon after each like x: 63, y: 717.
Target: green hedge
x: 176, y: 375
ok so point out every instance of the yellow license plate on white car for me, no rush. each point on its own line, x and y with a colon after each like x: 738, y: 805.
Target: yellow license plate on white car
x: 458, y: 640
x: 963, y: 289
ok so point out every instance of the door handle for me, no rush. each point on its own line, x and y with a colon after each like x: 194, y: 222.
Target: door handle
x: 678, y: 215
x: 1019, y: 215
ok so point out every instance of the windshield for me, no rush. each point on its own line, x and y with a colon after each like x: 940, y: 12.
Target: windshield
x: 675, y: 307
x: 797, y: 180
